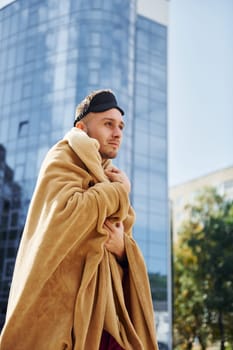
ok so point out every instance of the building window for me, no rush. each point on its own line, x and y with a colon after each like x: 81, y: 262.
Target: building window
x: 8, y: 268
x: 228, y: 184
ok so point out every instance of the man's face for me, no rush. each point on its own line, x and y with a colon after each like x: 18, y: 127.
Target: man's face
x: 107, y: 128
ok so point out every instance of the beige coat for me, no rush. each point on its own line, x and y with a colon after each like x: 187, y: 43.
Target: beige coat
x: 66, y: 286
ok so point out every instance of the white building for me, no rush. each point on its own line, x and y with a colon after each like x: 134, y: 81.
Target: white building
x: 185, y: 193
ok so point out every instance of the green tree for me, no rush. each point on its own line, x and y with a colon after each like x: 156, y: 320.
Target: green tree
x: 203, y: 271
x: 189, y: 312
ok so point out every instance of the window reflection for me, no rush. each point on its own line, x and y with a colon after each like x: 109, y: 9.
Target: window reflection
x: 150, y: 169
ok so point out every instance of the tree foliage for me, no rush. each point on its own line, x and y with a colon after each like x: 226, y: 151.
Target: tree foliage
x: 203, y: 273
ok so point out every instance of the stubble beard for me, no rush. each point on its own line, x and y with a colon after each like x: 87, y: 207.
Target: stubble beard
x: 108, y: 155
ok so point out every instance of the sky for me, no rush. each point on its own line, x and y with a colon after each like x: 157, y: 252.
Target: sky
x: 200, y: 88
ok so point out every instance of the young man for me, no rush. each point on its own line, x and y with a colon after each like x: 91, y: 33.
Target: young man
x: 80, y: 281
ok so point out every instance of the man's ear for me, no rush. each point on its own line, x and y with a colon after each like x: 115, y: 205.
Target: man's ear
x: 81, y: 125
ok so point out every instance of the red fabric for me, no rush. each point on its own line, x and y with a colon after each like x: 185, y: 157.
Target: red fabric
x: 108, y: 342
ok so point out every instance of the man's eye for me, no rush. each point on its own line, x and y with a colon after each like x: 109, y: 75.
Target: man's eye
x: 108, y: 123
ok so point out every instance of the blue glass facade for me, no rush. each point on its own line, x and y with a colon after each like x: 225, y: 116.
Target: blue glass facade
x: 53, y: 53
x: 150, y: 176
x: 150, y: 149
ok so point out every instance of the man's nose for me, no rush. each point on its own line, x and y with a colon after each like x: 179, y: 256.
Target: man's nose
x: 117, y: 132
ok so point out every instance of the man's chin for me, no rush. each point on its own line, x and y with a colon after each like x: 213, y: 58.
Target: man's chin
x: 109, y: 155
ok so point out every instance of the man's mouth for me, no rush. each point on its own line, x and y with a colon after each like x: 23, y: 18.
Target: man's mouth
x: 114, y: 143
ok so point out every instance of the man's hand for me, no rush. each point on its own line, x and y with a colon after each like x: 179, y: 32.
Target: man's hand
x: 116, y: 175
x: 115, y: 243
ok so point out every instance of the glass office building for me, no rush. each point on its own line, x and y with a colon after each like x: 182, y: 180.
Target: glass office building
x: 150, y: 163
x: 53, y: 53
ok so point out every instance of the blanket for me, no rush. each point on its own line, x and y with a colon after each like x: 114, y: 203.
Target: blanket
x: 66, y: 286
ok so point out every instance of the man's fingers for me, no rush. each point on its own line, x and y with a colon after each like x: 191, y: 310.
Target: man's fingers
x: 112, y: 170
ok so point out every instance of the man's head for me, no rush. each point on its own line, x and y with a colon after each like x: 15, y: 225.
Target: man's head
x: 101, y: 118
